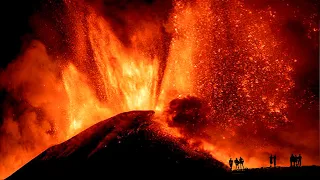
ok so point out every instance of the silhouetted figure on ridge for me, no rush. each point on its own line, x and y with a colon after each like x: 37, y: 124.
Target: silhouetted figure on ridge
x: 295, y: 161
x: 299, y: 160
x: 241, y: 161
x: 271, y: 160
x: 274, y: 160
x: 292, y: 160
x: 231, y: 163
x: 237, y: 163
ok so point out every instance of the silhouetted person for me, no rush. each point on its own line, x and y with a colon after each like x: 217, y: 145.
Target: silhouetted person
x: 274, y: 160
x: 231, y: 163
x: 271, y: 160
x: 299, y: 160
x: 291, y: 160
x: 295, y: 160
x: 237, y: 163
x: 241, y: 161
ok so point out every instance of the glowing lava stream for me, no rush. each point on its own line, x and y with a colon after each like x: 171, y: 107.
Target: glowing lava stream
x: 130, y: 79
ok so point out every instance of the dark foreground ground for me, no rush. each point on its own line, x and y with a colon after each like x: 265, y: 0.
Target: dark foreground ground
x: 130, y: 145
x: 304, y: 171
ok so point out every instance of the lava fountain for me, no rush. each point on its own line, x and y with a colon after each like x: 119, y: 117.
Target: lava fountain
x: 99, y: 59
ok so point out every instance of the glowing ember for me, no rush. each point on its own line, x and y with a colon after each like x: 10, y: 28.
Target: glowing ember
x: 228, y: 54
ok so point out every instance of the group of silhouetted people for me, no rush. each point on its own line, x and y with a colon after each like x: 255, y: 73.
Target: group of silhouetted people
x: 273, y: 160
x: 295, y: 161
x: 239, y: 163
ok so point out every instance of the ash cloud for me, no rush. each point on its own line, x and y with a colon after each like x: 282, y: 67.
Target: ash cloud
x: 30, y: 110
x: 190, y: 114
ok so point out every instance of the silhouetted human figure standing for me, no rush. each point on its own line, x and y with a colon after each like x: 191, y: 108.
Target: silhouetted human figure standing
x: 274, y: 160
x: 299, y: 160
x: 295, y: 161
x: 291, y: 160
x: 237, y: 163
x: 241, y: 161
x: 271, y: 160
x: 231, y: 163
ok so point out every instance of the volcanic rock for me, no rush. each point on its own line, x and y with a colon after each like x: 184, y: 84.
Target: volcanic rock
x: 129, y: 144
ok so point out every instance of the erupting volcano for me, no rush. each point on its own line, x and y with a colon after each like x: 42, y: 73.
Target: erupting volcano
x: 231, y: 77
x: 129, y: 142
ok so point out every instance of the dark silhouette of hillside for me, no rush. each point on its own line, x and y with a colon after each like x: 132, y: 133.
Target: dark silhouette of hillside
x: 132, y: 145
x: 304, y: 171
x: 129, y: 144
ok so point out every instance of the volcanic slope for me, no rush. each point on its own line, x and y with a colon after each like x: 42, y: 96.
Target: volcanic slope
x: 129, y: 144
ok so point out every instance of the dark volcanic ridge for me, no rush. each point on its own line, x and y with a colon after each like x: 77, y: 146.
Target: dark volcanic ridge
x: 304, y: 171
x: 129, y: 144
